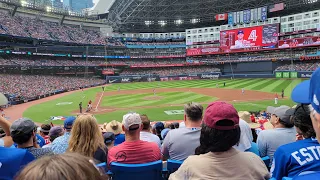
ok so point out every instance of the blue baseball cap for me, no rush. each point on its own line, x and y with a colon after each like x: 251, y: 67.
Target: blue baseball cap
x: 69, y: 122
x: 240, y: 32
x: 308, y: 92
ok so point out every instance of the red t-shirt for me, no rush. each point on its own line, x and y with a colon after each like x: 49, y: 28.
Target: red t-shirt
x: 47, y: 139
x: 136, y: 152
x: 253, y: 118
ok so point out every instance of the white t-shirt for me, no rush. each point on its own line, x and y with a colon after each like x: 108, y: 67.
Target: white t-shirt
x: 246, y: 137
x: 149, y: 137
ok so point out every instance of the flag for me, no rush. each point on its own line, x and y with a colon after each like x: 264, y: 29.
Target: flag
x: 221, y: 17
x: 276, y: 7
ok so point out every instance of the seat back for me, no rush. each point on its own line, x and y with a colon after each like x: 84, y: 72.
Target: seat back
x: 145, y: 171
x: 173, y: 165
x: 266, y: 161
x: 308, y: 176
x: 254, y: 149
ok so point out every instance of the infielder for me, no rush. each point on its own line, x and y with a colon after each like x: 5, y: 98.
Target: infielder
x: 276, y: 99
x: 242, y: 90
x: 154, y: 91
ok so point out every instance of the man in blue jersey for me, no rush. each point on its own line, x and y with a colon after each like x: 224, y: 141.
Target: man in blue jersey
x: 308, y: 92
x: 12, y: 160
x: 292, y: 159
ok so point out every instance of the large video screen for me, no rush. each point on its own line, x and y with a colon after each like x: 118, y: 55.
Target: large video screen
x: 250, y: 38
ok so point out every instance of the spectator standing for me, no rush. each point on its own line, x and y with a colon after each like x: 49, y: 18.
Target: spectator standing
x: 181, y: 143
x: 71, y: 166
x: 292, y: 159
x: 54, y: 132
x: 23, y: 132
x: 44, y: 132
x: 86, y: 138
x: 215, y: 158
x: 133, y: 150
x: 116, y: 127
x: 283, y: 133
x: 145, y: 134
x: 6, y: 140
x: 60, y: 144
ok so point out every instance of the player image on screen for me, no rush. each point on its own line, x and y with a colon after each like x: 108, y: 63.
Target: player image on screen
x: 241, y: 42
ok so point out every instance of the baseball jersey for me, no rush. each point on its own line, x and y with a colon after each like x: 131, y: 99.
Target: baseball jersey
x: 292, y: 159
x: 12, y: 160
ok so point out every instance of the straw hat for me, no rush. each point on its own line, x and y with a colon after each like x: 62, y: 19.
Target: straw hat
x: 3, y: 100
x: 245, y: 115
x: 113, y: 126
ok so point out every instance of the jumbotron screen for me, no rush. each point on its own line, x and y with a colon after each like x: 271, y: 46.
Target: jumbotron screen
x: 257, y: 37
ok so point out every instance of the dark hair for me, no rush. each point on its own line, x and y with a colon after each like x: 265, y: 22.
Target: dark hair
x: 286, y: 124
x: 45, y: 127
x: 214, y: 140
x: 193, y: 111
x: 52, y: 138
x: 21, y: 138
x: 302, y: 120
x: 171, y: 126
x: 145, y: 121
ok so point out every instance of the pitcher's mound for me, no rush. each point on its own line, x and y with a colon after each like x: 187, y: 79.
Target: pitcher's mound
x: 153, y: 98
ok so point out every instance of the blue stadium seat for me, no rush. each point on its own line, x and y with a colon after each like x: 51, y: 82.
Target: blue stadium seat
x: 266, y: 161
x: 286, y: 178
x: 307, y: 176
x: 145, y: 171
x: 254, y: 149
x: 173, y: 165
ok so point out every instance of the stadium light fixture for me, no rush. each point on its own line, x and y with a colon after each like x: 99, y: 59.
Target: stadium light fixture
x: 148, y: 22
x: 162, y: 23
x: 49, y: 9
x: 193, y: 21
x: 310, y: 1
x: 24, y: 3
x: 178, y: 22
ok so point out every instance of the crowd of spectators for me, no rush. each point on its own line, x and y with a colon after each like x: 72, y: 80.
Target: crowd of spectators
x: 299, y: 67
x: 146, y: 43
x: 40, y: 29
x: 214, y: 143
x: 33, y: 86
x: 165, y: 71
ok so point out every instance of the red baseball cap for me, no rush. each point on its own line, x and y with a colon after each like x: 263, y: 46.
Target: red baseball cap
x: 218, y: 111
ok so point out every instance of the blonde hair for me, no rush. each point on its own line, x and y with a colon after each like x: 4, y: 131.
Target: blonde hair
x: 71, y: 166
x: 86, y: 137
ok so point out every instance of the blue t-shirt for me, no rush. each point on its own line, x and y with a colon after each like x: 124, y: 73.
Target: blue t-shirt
x: 12, y: 160
x: 120, y: 138
x: 292, y: 159
x: 40, y: 140
x: 310, y: 176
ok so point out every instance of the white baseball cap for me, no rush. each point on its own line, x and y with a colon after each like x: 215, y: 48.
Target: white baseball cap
x: 131, y: 119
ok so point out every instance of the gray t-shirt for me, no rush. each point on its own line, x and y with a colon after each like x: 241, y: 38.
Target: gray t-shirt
x: 149, y: 137
x: 269, y: 140
x: 181, y: 143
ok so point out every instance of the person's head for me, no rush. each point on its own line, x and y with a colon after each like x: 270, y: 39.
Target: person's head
x: 44, y: 130
x: 145, y: 122
x: 132, y: 125
x: 114, y: 126
x: 164, y: 133
x: 109, y: 138
x: 279, y: 117
x: 240, y: 35
x: 159, y: 126
x: 193, y: 113
x: 68, y: 123
x: 220, y: 129
x: 308, y: 92
x: 86, y: 136
x: 300, y: 116
x: 55, y: 132
x: 23, y: 131
x: 71, y: 166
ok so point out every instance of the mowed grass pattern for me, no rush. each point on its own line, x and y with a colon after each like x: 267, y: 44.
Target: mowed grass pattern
x: 134, y: 102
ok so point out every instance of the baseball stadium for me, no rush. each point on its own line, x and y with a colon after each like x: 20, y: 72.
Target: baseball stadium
x: 200, y: 79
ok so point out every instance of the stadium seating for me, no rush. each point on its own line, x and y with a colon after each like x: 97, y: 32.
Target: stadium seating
x: 173, y: 165
x: 254, y: 149
x: 146, y: 171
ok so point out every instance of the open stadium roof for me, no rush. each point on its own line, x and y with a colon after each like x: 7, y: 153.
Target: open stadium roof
x: 178, y: 15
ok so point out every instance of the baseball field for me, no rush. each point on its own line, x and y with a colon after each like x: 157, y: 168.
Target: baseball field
x: 162, y: 100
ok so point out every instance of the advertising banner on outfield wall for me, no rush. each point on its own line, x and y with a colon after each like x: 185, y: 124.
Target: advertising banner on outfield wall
x: 293, y: 74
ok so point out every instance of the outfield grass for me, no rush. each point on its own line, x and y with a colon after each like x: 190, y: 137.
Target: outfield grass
x: 42, y: 112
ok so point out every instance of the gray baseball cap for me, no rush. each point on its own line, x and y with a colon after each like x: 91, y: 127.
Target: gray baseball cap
x: 280, y: 112
x: 22, y: 126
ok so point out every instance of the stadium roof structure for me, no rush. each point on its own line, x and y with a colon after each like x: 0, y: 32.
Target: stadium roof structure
x: 177, y: 15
